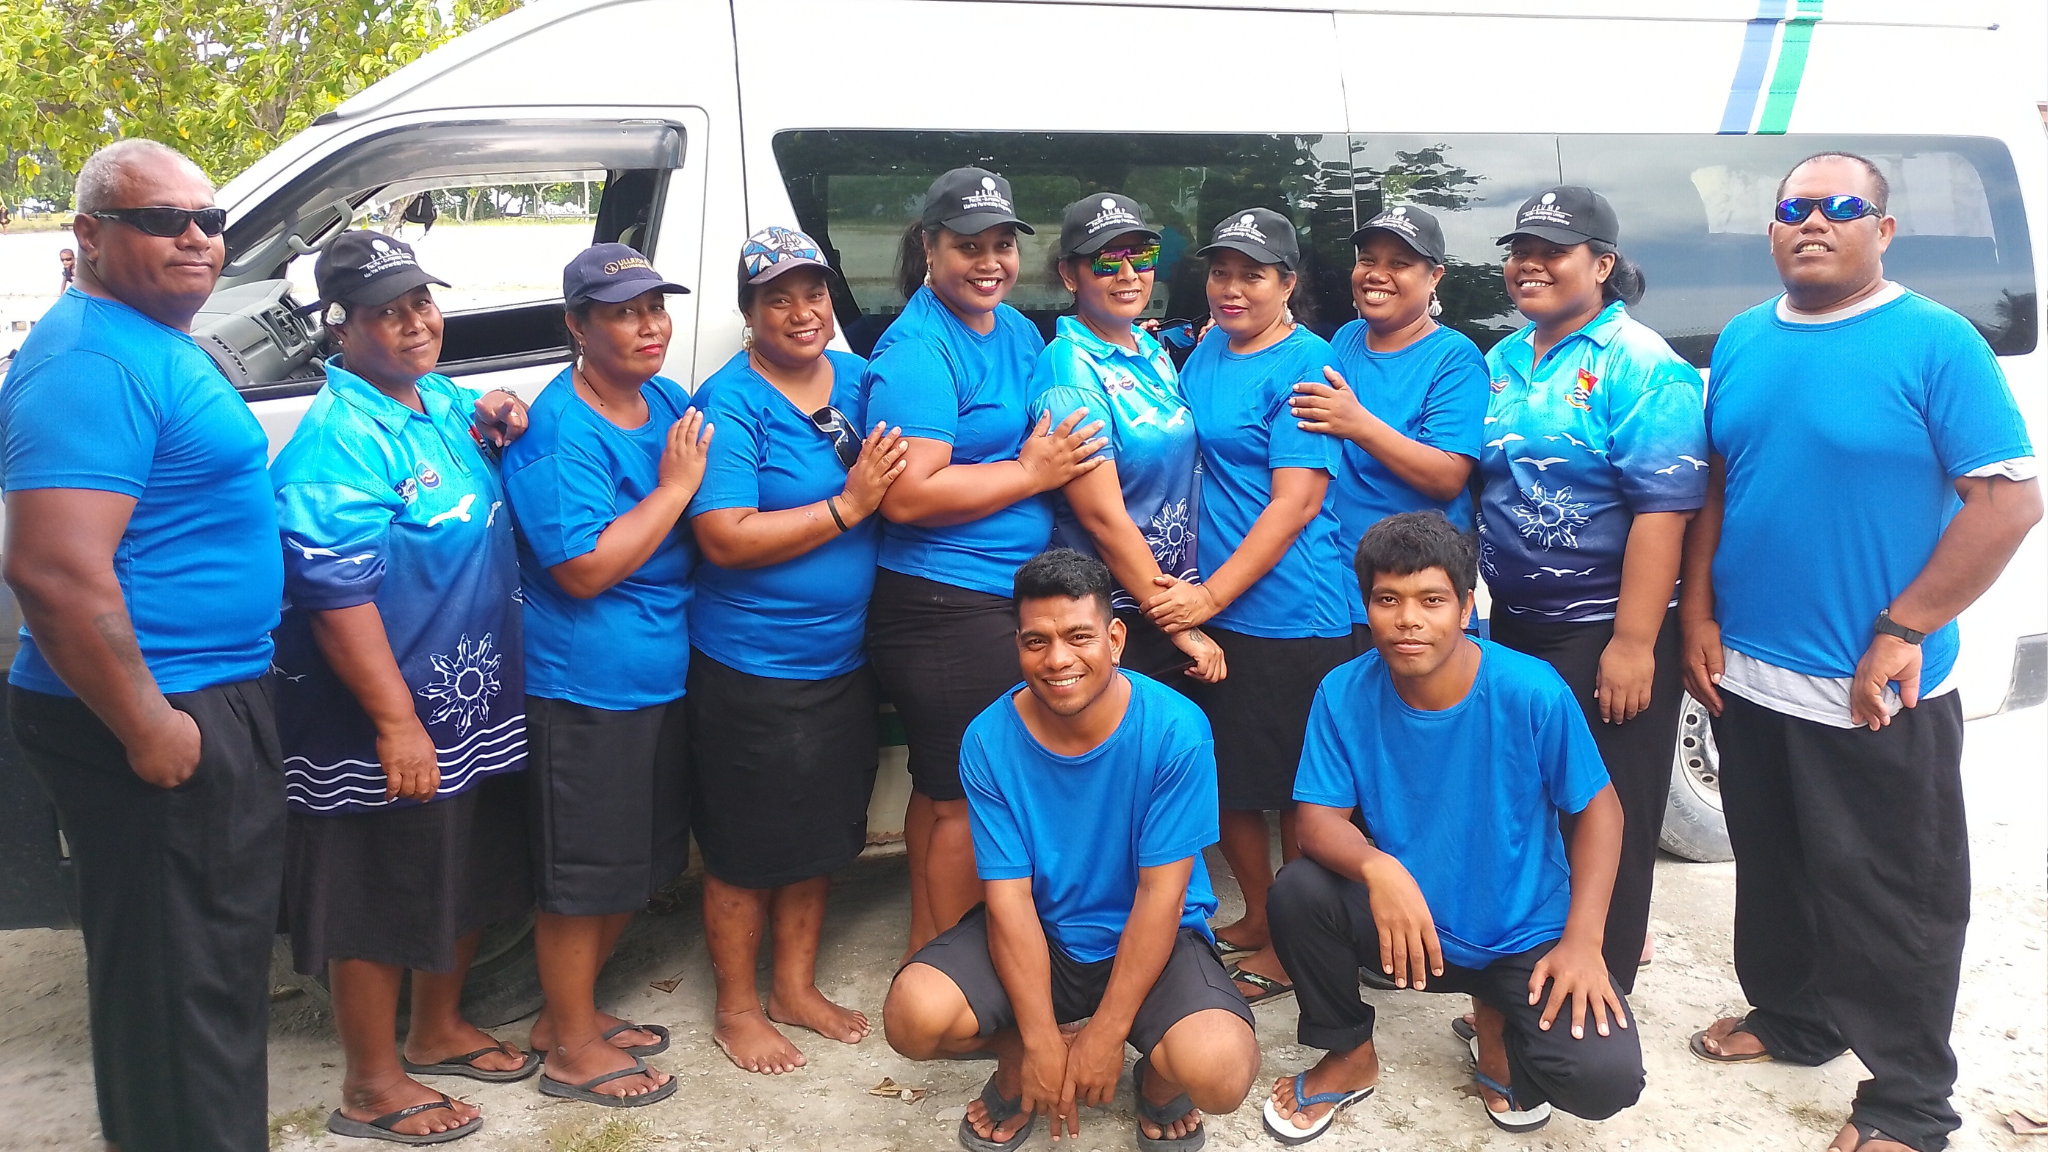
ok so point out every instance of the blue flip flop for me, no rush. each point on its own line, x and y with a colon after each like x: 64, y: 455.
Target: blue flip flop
x: 1282, y: 1129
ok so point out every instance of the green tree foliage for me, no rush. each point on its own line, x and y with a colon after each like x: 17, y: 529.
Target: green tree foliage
x: 222, y: 80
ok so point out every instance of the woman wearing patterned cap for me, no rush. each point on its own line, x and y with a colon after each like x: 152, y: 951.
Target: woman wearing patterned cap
x: 782, y: 703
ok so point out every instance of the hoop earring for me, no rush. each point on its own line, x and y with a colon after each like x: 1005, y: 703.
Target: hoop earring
x: 1436, y: 306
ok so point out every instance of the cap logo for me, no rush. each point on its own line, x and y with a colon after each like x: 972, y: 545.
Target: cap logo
x: 989, y: 197
x: 388, y: 256
x: 380, y: 246
x: 774, y: 245
x: 1550, y: 197
x: 1245, y: 226
x: 1109, y: 201
x: 1112, y: 215
x: 1399, y: 212
x: 614, y: 267
x: 1545, y: 211
x: 989, y: 183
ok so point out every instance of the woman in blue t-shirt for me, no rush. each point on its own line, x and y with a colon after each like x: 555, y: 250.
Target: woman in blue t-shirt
x: 1270, y: 594
x: 782, y: 705
x: 1408, y: 397
x: 969, y: 509
x: 599, y: 483
x: 1595, y: 459
x: 1137, y: 511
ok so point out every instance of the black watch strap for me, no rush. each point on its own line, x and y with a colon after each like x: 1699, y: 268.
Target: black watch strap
x: 1891, y: 627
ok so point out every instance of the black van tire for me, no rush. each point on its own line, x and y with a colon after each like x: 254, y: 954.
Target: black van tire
x: 503, y: 984
x: 1694, y: 827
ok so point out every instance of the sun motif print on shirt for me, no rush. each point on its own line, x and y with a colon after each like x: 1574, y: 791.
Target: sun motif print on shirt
x: 464, y: 684
x: 1551, y: 519
x: 1169, y: 536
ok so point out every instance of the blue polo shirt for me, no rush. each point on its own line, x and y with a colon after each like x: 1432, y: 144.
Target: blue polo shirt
x: 101, y: 397
x: 379, y: 504
x: 801, y: 619
x: 1247, y: 429
x: 569, y: 477
x: 1843, y: 442
x: 938, y: 379
x: 1081, y: 826
x: 1608, y: 426
x: 1433, y: 392
x: 1151, y: 436
x: 1466, y: 798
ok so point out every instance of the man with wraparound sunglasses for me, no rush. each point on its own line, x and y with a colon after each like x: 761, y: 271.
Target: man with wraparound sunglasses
x: 1821, y: 635
x: 142, y: 545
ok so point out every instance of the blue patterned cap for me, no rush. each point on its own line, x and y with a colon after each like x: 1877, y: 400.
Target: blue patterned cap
x: 775, y: 250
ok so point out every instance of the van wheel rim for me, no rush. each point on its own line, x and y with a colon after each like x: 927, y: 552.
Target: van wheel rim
x: 1697, y: 754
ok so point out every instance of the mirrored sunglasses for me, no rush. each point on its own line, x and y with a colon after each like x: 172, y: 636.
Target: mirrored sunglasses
x: 1109, y: 260
x: 1840, y: 209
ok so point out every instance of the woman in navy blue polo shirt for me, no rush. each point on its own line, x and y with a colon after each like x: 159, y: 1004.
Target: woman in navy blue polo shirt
x: 782, y: 704
x: 953, y: 373
x: 599, y: 483
x: 1271, y: 594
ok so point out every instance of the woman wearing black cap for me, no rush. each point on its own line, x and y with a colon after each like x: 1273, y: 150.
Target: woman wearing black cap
x: 400, y: 708
x: 953, y: 373
x: 1408, y: 397
x: 599, y: 483
x: 1137, y: 511
x: 782, y: 703
x: 1271, y: 594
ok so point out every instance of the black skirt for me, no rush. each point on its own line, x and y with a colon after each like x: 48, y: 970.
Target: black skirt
x: 1149, y: 651
x: 1259, y: 712
x: 783, y: 771
x: 402, y: 885
x: 943, y: 654
x: 609, y: 804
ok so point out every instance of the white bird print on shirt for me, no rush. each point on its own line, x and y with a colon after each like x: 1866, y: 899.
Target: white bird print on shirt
x: 493, y: 517
x: 1542, y: 465
x: 459, y: 512
x: 1576, y: 442
x: 1180, y: 417
x: 1670, y: 470
x: 1504, y: 440
x: 1695, y: 461
x: 312, y: 553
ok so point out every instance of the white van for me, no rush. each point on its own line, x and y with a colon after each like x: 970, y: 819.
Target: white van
x: 679, y: 126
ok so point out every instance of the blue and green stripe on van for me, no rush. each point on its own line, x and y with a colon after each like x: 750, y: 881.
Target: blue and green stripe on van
x: 1781, y: 30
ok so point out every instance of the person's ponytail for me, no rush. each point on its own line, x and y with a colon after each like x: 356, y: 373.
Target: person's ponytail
x: 1626, y: 282
x: 910, y: 259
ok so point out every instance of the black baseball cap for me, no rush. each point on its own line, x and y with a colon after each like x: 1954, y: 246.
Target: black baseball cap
x: 1566, y: 214
x: 1095, y: 220
x: 368, y: 268
x: 611, y: 274
x: 1260, y: 233
x: 970, y: 200
x: 1416, y: 228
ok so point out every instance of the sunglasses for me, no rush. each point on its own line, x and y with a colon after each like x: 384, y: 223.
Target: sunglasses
x: 167, y: 222
x: 1840, y: 209
x: 845, y: 440
x: 1109, y: 260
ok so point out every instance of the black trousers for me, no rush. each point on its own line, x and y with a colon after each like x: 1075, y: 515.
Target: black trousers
x: 178, y: 891
x: 1324, y: 932
x: 1638, y: 755
x: 1852, y: 891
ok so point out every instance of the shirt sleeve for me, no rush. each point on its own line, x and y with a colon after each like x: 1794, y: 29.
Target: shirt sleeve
x: 334, y: 515
x: 1325, y: 776
x: 1656, y: 437
x: 564, y: 501
x: 1972, y: 418
x: 1454, y: 411
x: 732, y: 472
x: 1288, y: 445
x: 1573, y: 772
x: 82, y: 421
x: 911, y: 386
x: 999, y: 852
x: 1181, y: 818
x: 1060, y: 383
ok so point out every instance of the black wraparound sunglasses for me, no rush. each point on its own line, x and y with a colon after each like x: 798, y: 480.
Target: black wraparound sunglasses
x: 837, y: 428
x: 167, y: 222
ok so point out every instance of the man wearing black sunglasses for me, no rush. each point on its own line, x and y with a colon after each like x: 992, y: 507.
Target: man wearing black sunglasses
x: 142, y: 545
x: 1821, y: 585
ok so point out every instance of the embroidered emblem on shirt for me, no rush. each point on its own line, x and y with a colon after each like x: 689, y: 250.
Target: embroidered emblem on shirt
x: 428, y: 477
x: 1551, y: 518
x: 1582, y: 392
x: 1497, y: 385
x: 408, y: 490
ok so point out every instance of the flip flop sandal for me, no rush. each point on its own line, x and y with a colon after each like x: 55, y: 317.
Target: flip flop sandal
x: 1698, y: 1044
x: 1226, y: 948
x: 1866, y: 1133
x: 464, y: 1065
x: 1282, y: 1128
x: 1269, y: 988
x: 549, y: 1086
x: 1515, y: 1119
x: 654, y: 1049
x: 999, y: 1113
x: 1161, y: 1115
x: 1463, y: 1029
x: 384, y: 1127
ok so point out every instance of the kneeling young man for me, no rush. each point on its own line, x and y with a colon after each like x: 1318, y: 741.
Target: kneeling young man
x: 1459, y: 754
x: 1092, y: 793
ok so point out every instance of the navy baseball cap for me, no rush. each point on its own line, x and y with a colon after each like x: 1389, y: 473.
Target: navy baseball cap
x: 970, y: 200
x: 611, y: 274
x: 1260, y: 233
x: 368, y: 268
x: 1093, y: 221
x: 1566, y: 214
x: 1416, y: 228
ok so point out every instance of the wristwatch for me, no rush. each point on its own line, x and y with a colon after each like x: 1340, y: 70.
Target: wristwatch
x: 1891, y: 627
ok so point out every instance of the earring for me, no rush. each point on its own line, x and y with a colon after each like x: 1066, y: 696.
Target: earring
x: 927, y: 277
x: 747, y: 337
x: 1436, y: 306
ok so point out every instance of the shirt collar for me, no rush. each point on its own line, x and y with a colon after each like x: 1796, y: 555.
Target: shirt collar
x: 1520, y: 349
x: 1071, y: 328
x: 367, y: 399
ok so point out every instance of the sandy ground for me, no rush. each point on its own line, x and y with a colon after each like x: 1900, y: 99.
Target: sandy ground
x: 2001, y: 1033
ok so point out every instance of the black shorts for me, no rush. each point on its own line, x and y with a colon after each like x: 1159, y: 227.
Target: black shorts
x: 783, y: 771
x: 1192, y: 981
x: 1259, y: 712
x: 943, y: 654
x: 608, y: 804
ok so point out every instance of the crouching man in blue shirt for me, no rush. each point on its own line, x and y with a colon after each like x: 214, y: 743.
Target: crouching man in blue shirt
x: 1459, y: 754
x: 1091, y: 794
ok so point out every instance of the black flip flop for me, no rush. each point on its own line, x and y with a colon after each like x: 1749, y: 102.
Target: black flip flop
x: 999, y: 1113
x: 1226, y: 948
x: 1698, y: 1044
x: 1463, y: 1029
x: 654, y: 1049
x: 464, y: 1065
x: 1269, y: 988
x: 384, y: 1127
x: 1868, y: 1133
x: 549, y: 1086
x: 1162, y: 1115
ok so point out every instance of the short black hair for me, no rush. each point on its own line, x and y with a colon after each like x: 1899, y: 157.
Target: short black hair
x: 1877, y: 180
x: 1065, y: 573
x: 1411, y: 542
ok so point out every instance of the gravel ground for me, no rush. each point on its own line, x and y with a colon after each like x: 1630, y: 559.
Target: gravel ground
x: 2001, y: 1033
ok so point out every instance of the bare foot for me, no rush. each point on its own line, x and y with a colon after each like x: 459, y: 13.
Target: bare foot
x: 366, y: 1102
x: 432, y: 1048
x: 808, y: 1008
x: 1336, y: 1072
x: 1649, y: 949
x: 1722, y: 1039
x: 1159, y: 1091
x: 542, y: 1038
x: 594, y: 1059
x: 1845, y: 1141
x: 1265, y: 962
x: 750, y: 1041
x: 1245, y: 933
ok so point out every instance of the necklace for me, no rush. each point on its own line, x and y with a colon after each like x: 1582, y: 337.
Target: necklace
x: 589, y: 388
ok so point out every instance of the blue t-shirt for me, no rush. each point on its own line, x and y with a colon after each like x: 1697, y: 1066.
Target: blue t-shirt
x: 1466, y: 798
x: 1843, y: 442
x: 1081, y: 826
x: 1137, y: 397
x: 1609, y: 426
x: 569, y: 477
x: 938, y: 379
x: 380, y: 504
x: 801, y: 619
x: 1433, y: 392
x: 1247, y: 429
x: 101, y: 397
